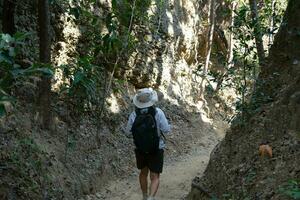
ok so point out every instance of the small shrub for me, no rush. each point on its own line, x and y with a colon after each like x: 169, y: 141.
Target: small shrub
x: 11, y: 72
x: 291, y: 189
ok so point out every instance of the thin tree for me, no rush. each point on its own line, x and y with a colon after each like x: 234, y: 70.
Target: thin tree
x: 8, y: 19
x: 210, y: 35
x: 45, y: 58
x: 271, y: 23
x: 230, y: 63
x: 257, y: 32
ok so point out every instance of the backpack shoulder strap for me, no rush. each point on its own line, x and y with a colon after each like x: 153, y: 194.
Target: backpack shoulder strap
x: 137, y: 111
x: 152, y: 111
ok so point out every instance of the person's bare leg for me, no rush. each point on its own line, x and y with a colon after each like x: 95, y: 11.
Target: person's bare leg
x: 154, y: 177
x: 143, y: 181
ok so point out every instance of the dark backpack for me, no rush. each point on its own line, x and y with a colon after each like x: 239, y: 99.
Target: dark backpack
x: 144, y: 131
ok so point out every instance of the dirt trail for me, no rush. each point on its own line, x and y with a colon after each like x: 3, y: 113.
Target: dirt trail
x: 177, y: 173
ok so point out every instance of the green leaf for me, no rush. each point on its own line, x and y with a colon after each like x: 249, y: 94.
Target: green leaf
x: 7, y: 38
x: 2, y: 93
x: 42, y: 70
x: 19, y: 36
x: 291, y: 189
x: 75, y: 12
x: 45, y: 71
x: 94, y: 21
x: 78, y: 77
x: 5, y: 58
x: 114, y: 4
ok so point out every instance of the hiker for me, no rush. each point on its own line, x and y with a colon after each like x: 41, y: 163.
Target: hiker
x: 148, y: 125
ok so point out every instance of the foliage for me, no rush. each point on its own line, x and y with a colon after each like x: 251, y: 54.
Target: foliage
x: 123, y: 10
x: 109, y: 35
x: 274, y: 13
x: 243, y: 76
x: 12, y: 73
x: 107, y: 40
x: 242, y: 73
x: 291, y: 189
x: 83, y: 83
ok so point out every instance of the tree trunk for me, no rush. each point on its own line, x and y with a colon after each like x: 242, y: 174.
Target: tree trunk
x: 231, y: 42
x: 271, y: 24
x: 8, y: 19
x: 45, y: 58
x: 230, y: 63
x: 257, y: 32
x: 211, y: 22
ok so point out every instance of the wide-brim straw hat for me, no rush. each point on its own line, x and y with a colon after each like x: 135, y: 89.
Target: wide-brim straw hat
x: 145, y: 97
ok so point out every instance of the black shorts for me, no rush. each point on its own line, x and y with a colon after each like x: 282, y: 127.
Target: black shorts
x: 153, y: 161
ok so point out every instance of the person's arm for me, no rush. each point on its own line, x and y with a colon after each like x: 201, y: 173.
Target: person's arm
x: 164, y: 125
x: 131, y: 118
